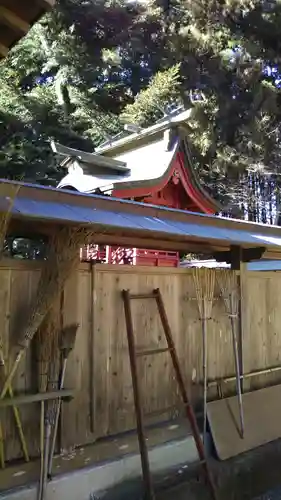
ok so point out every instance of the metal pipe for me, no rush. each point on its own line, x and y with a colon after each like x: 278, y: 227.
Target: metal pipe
x: 232, y: 378
x: 56, y: 423
x: 47, y: 436
x: 237, y: 367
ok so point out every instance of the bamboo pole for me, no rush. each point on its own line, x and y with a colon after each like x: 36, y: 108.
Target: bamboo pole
x: 205, y: 370
x: 15, y: 411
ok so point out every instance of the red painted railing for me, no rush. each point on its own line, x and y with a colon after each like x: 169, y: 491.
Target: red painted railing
x: 129, y: 256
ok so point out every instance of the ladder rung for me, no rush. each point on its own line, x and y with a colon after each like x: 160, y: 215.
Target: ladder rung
x: 142, y: 295
x: 149, y: 352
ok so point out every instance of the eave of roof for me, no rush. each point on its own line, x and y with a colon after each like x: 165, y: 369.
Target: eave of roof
x: 88, y: 158
x: 17, y: 17
x: 124, y: 223
x: 148, y: 167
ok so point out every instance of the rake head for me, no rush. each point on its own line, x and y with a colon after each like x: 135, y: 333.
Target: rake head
x: 68, y: 336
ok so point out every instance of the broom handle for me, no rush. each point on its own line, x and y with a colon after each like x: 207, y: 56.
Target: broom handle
x: 56, y: 423
x: 204, y: 332
x: 237, y: 371
x: 2, y: 451
x: 46, y: 458
x: 42, y: 433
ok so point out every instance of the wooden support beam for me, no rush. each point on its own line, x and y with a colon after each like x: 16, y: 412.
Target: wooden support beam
x: 36, y: 398
x: 236, y: 255
x: 46, y: 4
x: 3, y: 50
x: 13, y: 20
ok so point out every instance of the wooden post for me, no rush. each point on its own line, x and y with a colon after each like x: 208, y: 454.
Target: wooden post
x: 92, y: 349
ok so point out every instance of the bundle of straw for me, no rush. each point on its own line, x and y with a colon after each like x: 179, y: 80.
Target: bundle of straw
x: 227, y: 281
x: 204, y: 282
x: 62, y: 259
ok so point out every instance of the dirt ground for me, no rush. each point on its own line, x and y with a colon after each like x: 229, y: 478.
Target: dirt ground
x: 255, y: 475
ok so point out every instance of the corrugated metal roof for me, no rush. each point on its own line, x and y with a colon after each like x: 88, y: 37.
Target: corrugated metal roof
x: 129, y: 223
x: 37, y: 209
x: 262, y: 265
x: 265, y: 265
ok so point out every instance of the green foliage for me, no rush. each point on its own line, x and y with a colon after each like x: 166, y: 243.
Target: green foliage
x: 66, y: 80
x: 150, y: 103
x: 103, y: 63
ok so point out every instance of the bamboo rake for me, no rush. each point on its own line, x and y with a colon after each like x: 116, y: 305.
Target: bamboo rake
x: 204, y: 282
x: 227, y: 281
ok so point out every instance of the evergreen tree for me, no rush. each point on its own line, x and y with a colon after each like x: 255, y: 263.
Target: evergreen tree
x: 230, y: 75
x: 68, y: 80
x: 89, y: 66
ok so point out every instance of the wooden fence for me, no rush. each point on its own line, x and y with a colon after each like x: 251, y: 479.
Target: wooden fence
x: 98, y: 367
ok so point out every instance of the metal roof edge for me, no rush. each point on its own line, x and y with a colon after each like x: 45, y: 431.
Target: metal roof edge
x: 144, y: 207
x: 153, y: 129
x: 89, y: 158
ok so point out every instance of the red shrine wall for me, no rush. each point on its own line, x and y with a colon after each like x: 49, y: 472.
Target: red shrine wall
x: 174, y: 191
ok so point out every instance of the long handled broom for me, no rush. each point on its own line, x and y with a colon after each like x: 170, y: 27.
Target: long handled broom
x: 204, y: 282
x: 227, y: 281
x: 67, y: 344
x: 47, y: 345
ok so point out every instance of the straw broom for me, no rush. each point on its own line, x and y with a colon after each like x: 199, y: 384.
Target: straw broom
x: 63, y: 258
x: 204, y: 282
x: 67, y: 342
x: 227, y: 281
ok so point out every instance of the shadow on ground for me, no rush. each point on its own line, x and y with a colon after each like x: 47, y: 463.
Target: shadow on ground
x: 255, y: 475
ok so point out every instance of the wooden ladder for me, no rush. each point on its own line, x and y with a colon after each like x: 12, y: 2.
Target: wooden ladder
x: 134, y: 354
